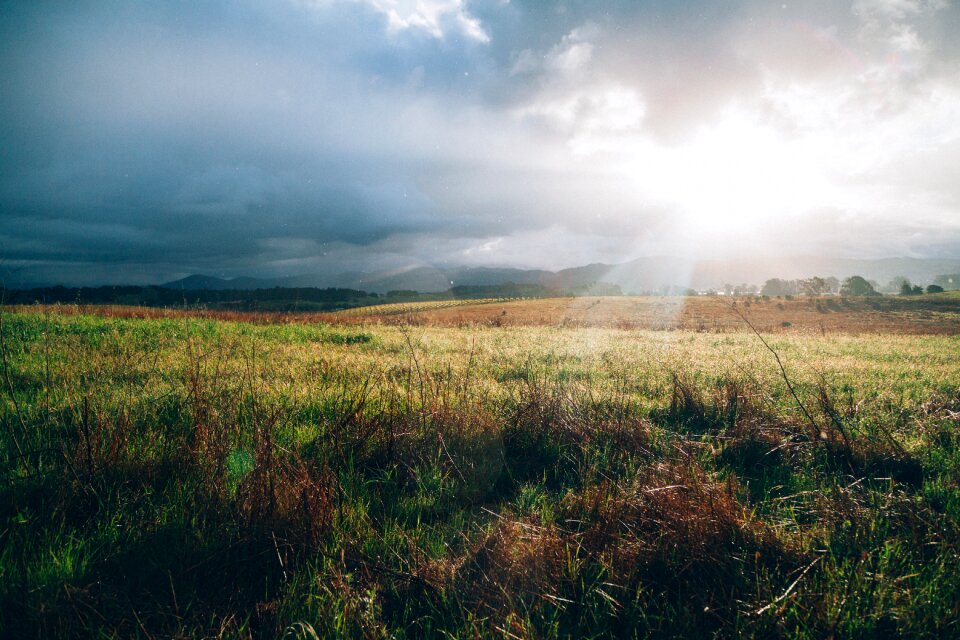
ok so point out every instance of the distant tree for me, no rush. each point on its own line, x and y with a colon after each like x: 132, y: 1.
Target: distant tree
x: 934, y: 288
x: 907, y: 289
x: 857, y: 286
x: 815, y: 286
x: 897, y: 284
x: 771, y: 288
x: 833, y: 284
x: 778, y: 287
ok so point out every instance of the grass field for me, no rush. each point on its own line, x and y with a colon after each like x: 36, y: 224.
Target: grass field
x: 929, y: 314
x: 407, y: 308
x: 464, y: 476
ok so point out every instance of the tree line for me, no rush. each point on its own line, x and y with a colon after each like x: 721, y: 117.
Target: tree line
x: 852, y: 286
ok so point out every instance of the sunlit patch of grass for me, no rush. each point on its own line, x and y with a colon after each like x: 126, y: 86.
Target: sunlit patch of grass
x: 405, y: 308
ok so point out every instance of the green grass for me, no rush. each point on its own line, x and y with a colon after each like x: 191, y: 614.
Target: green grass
x: 201, y: 478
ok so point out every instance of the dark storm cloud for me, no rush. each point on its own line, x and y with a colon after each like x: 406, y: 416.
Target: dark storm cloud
x: 144, y: 140
x: 172, y: 136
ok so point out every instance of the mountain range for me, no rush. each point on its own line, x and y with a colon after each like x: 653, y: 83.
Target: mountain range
x: 636, y: 276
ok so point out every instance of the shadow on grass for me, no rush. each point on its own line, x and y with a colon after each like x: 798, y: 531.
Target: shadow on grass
x: 152, y: 549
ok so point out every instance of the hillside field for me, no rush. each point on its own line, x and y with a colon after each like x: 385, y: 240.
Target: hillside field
x: 589, y: 467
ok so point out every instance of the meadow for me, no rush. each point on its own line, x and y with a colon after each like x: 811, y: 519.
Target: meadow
x: 928, y: 314
x: 483, y: 471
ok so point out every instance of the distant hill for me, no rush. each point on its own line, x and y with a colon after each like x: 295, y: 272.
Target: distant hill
x: 643, y: 275
x: 322, y: 292
x: 212, y: 283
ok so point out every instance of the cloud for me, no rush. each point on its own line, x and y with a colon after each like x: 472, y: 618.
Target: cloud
x: 434, y: 17
x: 896, y: 24
x: 276, y: 138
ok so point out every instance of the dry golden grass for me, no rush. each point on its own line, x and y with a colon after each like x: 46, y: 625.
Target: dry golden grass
x: 406, y: 308
x: 930, y: 315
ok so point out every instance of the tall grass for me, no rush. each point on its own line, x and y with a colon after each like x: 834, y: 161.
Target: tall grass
x: 189, y: 477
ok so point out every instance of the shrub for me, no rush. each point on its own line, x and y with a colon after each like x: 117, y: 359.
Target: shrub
x: 857, y: 286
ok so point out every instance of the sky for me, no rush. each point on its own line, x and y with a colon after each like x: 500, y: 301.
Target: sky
x: 144, y: 141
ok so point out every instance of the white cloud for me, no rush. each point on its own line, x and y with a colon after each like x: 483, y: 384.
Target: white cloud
x: 892, y: 22
x: 896, y: 9
x: 431, y: 16
x: 574, y: 51
x: 572, y: 98
x: 588, y: 113
x: 568, y: 57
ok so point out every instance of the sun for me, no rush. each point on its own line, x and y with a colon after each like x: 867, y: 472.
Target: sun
x: 730, y: 176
